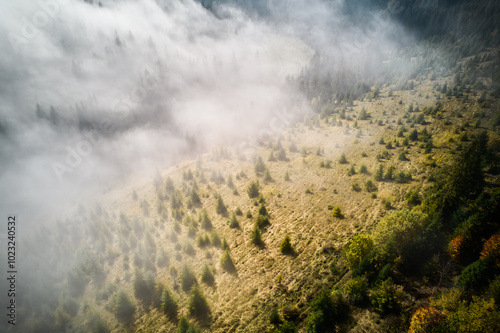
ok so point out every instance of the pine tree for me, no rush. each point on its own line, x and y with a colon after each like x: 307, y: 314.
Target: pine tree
x: 220, y: 207
x: 379, y: 174
x: 256, y: 237
x: 286, y: 245
x: 169, y: 304
x: 253, y: 190
x: 259, y: 167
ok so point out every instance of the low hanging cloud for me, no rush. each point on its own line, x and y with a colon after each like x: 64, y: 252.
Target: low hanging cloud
x: 88, y: 90
x: 93, y: 92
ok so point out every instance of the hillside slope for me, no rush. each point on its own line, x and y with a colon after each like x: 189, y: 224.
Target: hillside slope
x: 140, y: 231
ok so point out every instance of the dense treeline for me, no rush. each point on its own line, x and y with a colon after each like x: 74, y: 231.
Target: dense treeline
x: 451, y: 241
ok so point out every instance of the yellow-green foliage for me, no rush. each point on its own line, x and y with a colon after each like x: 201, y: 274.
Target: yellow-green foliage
x: 337, y: 212
x: 387, y: 297
x: 359, y: 246
x: 197, y: 303
x: 402, y: 226
x: 426, y: 319
x: 356, y: 290
x: 479, y: 315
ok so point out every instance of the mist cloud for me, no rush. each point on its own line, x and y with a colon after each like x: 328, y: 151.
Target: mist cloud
x: 137, y: 77
x: 92, y: 93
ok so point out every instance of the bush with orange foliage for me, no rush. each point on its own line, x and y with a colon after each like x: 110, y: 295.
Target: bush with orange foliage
x: 426, y: 319
x: 491, y: 248
x: 455, y: 246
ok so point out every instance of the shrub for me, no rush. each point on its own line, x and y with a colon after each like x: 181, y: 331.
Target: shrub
x: 226, y: 262
x: 197, y: 305
x: 169, y: 304
x: 337, y: 212
x: 351, y: 171
x: 385, y: 272
x: 363, y: 115
x: 363, y: 169
x: 327, y: 309
x: 401, y: 226
x: 494, y: 289
x: 207, y: 275
x: 480, y: 315
x: 389, y: 175
x: 274, y: 317
x: 357, y: 248
x: 403, y: 177
x: 249, y: 214
x: 261, y: 199
x: 385, y: 298
x: 343, y: 159
x: 455, y: 247
x: 290, y: 312
x: 413, y: 198
x: 122, y: 306
x: 370, y: 186
x: 356, y: 290
x: 426, y: 319
x: 286, y: 327
x: 491, y: 248
x: 286, y: 245
x: 184, y: 326
x: 238, y: 211
x: 387, y: 204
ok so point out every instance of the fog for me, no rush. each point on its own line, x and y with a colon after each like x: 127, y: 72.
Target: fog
x: 92, y: 94
x: 120, y: 87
